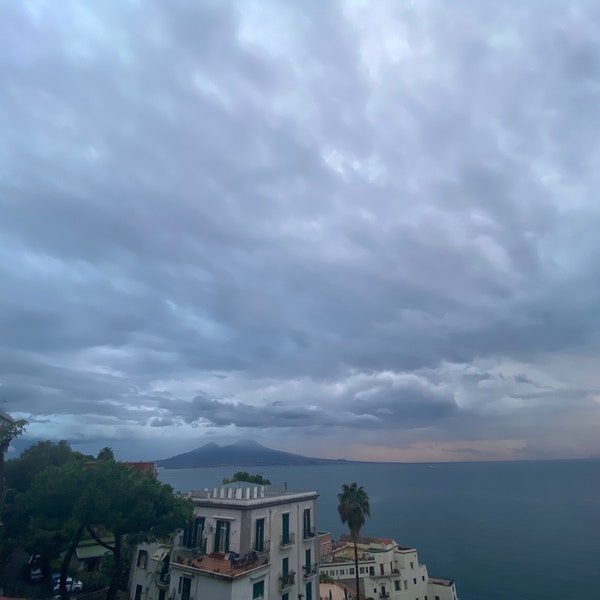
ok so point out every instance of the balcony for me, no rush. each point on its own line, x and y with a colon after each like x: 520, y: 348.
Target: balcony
x: 162, y: 580
x: 287, y: 579
x: 229, y: 565
x: 384, y: 595
x: 310, y: 570
x: 287, y: 540
x: 307, y: 534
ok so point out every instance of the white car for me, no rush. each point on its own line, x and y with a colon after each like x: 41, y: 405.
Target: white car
x: 73, y: 585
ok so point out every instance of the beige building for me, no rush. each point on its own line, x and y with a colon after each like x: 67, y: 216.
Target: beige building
x: 387, y: 571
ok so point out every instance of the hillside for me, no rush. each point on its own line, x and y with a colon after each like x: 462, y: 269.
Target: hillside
x: 244, y: 453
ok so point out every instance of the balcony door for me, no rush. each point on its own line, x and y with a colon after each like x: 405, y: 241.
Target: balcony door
x: 222, y: 536
x: 259, y: 543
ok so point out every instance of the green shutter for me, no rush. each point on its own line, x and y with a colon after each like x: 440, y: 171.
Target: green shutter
x: 285, y: 523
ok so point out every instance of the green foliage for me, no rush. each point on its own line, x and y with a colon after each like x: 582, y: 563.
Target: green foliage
x: 10, y: 429
x: 353, y: 507
x: 97, y: 498
x: 106, y: 454
x: 245, y: 476
x: 52, y: 503
x: 324, y: 578
x: 21, y: 471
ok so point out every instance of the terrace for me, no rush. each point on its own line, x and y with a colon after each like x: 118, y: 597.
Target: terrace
x: 229, y: 564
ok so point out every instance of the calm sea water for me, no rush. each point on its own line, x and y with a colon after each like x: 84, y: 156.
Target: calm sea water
x: 503, y: 531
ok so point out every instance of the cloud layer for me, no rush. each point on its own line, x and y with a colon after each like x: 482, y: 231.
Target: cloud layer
x: 367, y: 230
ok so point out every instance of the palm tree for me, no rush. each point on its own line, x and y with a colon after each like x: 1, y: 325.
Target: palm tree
x: 353, y: 508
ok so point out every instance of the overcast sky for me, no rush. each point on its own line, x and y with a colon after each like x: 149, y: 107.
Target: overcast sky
x: 345, y: 229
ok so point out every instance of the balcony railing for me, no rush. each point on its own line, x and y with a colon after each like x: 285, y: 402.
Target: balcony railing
x: 310, y: 569
x: 287, y: 579
x: 287, y: 540
x: 162, y: 580
x: 384, y: 595
x: 229, y: 564
x: 308, y: 533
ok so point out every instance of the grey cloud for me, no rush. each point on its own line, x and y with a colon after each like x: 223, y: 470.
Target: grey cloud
x: 212, y: 195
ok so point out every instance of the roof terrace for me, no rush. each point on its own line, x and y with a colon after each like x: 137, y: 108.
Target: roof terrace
x: 229, y: 565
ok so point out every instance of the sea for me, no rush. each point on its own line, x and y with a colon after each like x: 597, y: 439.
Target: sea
x: 501, y: 530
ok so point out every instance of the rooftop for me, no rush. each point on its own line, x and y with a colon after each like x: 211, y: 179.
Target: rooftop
x: 242, y: 493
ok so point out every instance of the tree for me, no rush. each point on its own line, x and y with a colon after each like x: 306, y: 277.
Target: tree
x: 100, y: 499
x: 21, y: 471
x: 353, y: 508
x: 245, y: 476
x: 123, y: 502
x: 106, y: 454
x: 9, y: 429
x: 55, y: 504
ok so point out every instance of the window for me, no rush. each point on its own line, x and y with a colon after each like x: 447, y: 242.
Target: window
x: 285, y: 597
x: 352, y: 571
x: 397, y: 585
x: 285, y: 528
x: 162, y: 594
x: 309, y: 591
x: 372, y: 571
x: 381, y: 571
x: 138, y: 592
x: 259, y: 538
x: 258, y: 590
x: 307, y: 561
x: 422, y: 577
x: 186, y: 588
x: 142, y: 559
x: 415, y: 580
x: 412, y: 565
x: 193, y: 533
x: 285, y: 566
x: 437, y: 598
x: 222, y: 536
x: 362, y: 570
x: 406, y: 584
x: 306, y: 528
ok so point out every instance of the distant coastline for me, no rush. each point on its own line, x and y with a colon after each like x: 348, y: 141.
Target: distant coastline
x: 246, y: 453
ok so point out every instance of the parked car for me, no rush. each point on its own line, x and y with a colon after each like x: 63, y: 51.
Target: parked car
x: 34, y: 569
x: 73, y: 585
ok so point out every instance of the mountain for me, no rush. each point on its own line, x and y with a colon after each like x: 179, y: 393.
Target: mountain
x: 240, y: 454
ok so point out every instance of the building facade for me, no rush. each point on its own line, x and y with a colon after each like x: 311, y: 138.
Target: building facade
x: 246, y: 541
x: 387, y: 571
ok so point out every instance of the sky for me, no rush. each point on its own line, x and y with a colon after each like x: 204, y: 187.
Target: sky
x: 344, y: 229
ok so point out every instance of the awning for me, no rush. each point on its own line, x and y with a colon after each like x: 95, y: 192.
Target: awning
x: 160, y: 553
x: 90, y: 551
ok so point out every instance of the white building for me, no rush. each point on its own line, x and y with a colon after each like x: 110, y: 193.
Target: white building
x: 387, y: 570
x: 246, y: 541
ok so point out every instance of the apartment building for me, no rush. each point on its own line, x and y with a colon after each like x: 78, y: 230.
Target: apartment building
x: 387, y: 571
x: 246, y: 541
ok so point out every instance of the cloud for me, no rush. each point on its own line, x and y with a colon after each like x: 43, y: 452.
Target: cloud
x: 281, y: 221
